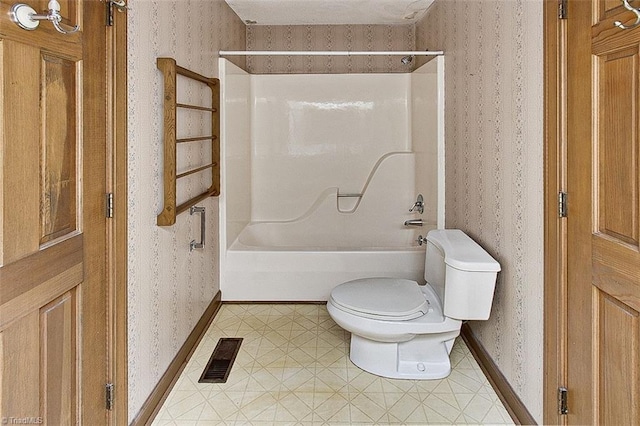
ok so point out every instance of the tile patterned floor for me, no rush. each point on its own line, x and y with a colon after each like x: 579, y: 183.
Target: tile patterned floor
x: 293, y: 368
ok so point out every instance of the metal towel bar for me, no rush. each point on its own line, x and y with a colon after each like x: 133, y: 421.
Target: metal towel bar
x: 193, y: 244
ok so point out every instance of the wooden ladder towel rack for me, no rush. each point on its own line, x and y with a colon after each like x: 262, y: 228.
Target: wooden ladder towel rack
x: 170, y: 72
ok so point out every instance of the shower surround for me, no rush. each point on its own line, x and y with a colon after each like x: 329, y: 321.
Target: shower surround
x: 318, y: 175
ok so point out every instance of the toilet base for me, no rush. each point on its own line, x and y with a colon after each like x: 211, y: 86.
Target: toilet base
x: 423, y: 357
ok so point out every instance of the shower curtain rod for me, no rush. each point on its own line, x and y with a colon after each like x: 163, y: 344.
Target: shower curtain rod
x: 326, y: 53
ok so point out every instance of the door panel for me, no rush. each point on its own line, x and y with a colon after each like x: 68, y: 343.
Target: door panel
x: 603, y: 227
x: 20, y: 380
x: 58, y: 163
x: 59, y: 328
x: 53, y: 280
x: 618, y: 361
x: 20, y: 176
x: 616, y: 145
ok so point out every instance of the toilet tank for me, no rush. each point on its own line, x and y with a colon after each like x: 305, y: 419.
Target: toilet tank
x: 462, y: 273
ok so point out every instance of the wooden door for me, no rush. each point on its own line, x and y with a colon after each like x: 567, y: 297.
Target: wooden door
x: 53, y: 292
x: 603, y: 223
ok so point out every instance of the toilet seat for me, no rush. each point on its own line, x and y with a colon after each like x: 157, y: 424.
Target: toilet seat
x: 391, y: 299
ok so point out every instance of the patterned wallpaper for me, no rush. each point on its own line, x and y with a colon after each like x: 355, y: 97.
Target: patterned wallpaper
x: 494, y: 160
x: 169, y: 287
x: 328, y: 37
x: 494, y: 168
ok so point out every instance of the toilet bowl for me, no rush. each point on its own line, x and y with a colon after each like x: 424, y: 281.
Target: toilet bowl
x: 400, y: 329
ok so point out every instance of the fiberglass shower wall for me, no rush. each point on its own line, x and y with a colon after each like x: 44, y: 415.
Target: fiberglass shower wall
x: 427, y: 138
x: 314, y: 132
x: 291, y: 144
x: 286, y: 138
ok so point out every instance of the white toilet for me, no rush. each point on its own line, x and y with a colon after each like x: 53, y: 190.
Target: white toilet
x: 404, y: 330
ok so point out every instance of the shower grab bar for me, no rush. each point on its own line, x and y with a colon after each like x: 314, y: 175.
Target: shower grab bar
x: 353, y: 195
x: 193, y: 244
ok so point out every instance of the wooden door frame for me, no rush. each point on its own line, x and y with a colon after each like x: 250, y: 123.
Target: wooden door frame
x: 555, y: 233
x: 117, y: 227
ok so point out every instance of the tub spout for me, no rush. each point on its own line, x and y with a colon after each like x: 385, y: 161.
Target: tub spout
x: 413, y: 222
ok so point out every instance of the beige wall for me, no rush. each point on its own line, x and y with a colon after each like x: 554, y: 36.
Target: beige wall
x: 328, y: 37
x: 493, y: 157
x: 169, y: 287
x: 494, y: 137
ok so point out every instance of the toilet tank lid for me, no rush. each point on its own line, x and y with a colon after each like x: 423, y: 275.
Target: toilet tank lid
x: 461, y: 252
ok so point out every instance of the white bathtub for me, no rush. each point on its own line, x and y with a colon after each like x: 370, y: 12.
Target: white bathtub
x: 332, y: 242
x: 263, y: 266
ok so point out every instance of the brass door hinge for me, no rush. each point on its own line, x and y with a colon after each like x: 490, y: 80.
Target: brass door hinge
x: 109, y: 397
x: 562, y: 401
x: 109, y: 205
x: 562, y: 9
x: 562, y: 204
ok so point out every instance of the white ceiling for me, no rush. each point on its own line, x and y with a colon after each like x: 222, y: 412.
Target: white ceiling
x: 337, y: 12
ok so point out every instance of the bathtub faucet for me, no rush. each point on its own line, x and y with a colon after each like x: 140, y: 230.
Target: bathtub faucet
x: 413, y: 222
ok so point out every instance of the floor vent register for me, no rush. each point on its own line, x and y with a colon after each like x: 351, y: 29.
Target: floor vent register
x: 221, y: 361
